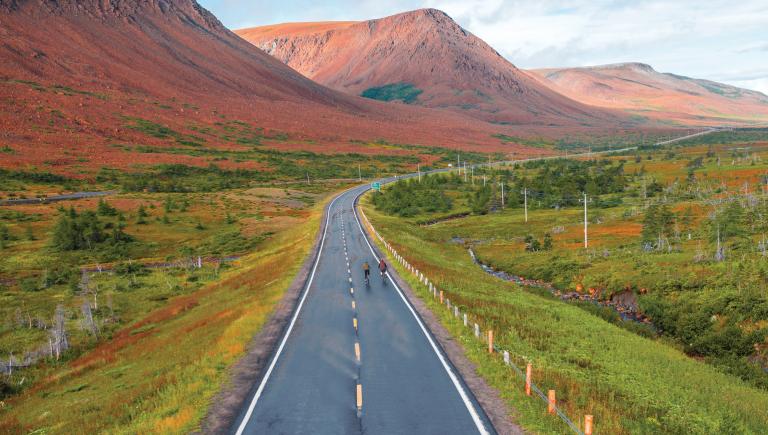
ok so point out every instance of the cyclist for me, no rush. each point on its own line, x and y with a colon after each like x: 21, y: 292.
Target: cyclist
x: 382, y: 267
x: 366, y: 270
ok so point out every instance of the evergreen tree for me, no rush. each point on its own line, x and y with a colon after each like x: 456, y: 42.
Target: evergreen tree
x: 5, y: 235
x: 687, y: 221
x: 168, y: 204
x: 658, y: 225
x: 75, y: 231
x: 547, y: 245
x: 730, y: 226
x: 651, y: 224
x: 105, y: 209
x: 142, y: 214
x: 479, y: 200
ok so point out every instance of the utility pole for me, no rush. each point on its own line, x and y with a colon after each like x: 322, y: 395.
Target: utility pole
x: 307, y: 177
x: 586, y: 240
x: 418, y: 169
x: 483, y: 180
x: 458, y: 161
x: 525, y: 201
x: 465, y: 171
x: 473, y: 175
x: 359, y: 174
x: 502, y: 194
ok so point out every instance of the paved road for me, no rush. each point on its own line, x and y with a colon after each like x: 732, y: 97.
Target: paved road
x: 56, y: 198
x: 311, y: 385
x: 406, y: 382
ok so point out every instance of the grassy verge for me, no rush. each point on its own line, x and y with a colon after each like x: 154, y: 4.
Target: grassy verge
x: 158, y: 373
x: 630, y: 384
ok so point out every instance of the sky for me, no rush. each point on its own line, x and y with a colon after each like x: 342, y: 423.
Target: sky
x: 720, y: 40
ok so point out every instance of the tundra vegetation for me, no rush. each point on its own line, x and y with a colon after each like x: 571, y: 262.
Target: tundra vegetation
x: 102, y: 299
x: 681, y: 229
x: 405, y: 92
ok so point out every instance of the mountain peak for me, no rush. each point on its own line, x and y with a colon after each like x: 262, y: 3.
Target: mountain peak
x: 188, y: 11
x: 428, y: 16
x: 423, y: 53
x: 433, y: 13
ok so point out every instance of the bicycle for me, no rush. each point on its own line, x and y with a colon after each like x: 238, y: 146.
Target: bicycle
x: 366, y: 273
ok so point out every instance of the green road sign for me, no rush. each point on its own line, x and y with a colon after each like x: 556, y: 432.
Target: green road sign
x: 376, y: 186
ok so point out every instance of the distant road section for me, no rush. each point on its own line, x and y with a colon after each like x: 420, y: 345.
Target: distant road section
x: 701, y: 133
x: 56, y: 198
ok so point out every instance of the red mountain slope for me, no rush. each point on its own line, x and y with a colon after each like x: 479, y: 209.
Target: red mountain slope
x: 428, y: 50
x: 640, y: 89
x: 73, y: 72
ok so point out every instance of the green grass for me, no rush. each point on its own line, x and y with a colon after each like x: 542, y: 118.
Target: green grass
x: 58, y: 89
x: 536, y: 143
x: 631, y: 384
x: 159, y: 131
x: 175, y: 333
x: 405, y: 92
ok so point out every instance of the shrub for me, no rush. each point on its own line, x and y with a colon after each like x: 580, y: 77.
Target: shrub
x: 75, y: 231
x: 105, y: 209
x: 131, y: 268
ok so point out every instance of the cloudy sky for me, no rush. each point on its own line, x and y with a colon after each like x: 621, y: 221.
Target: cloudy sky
x: 722, y: 40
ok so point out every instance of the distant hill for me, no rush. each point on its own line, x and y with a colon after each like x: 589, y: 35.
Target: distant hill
x: 640, y: 89
x: 423, y: 58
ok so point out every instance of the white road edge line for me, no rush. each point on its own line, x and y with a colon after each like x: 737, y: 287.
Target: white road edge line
x: 264, y: 380
x: 464, y: 397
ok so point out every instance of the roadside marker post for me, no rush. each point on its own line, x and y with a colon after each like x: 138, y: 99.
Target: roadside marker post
x: 587, y: 425
x: 551, y: 401
x: 506, y: 357
x: 455, y: 311
x: 465, y: 319
x: 490, y: 341
x: 528, y: 370
x: 441, y: 297
x: 477, y: 330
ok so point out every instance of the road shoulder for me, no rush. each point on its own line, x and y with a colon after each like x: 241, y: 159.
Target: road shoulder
x: 488, y: 397
x: 227, y: 405
x: 497, y: 410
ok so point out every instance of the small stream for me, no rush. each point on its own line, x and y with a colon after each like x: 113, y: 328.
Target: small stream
x: 623, y: 303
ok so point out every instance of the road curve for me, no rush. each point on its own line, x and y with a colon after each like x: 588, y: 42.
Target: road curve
x: 324, y: 367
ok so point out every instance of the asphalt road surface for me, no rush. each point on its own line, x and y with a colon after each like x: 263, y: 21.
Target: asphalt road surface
x: 351, y: 344
x: 56, y: 198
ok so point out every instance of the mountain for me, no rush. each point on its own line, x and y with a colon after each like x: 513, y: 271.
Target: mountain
x: 640, y: 89
x: 81, y: 77
x: 423, y: 58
